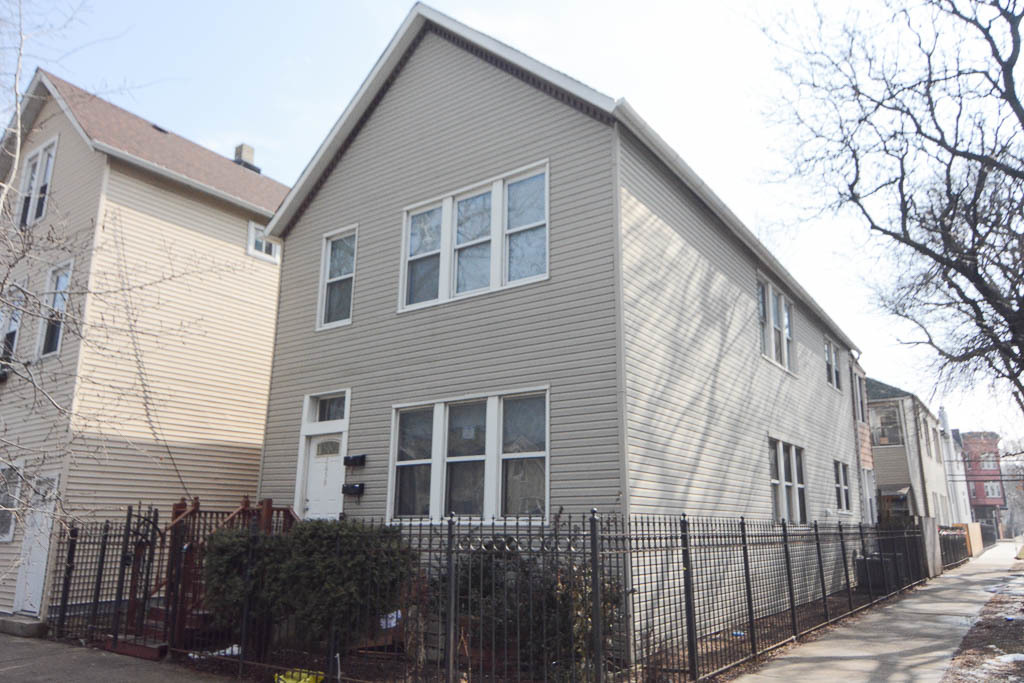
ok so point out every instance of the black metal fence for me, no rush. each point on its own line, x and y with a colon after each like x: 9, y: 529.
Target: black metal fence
x: 953, y: 546
x: 580, y: 598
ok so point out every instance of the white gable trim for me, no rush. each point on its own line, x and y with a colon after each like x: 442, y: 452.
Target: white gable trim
x: 620, y: 110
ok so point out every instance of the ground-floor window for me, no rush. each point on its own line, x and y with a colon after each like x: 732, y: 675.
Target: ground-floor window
x: 481, y: 457
x: 789, y: 499
x: 9, y: 486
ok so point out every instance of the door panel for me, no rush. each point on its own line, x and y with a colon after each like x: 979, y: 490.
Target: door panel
x: 325, y: 473
x: 35, y: 548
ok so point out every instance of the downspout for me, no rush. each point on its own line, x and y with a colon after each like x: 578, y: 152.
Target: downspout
x: 920, y: 457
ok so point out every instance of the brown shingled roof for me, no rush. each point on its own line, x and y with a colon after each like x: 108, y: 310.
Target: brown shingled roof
x: 107, y: 123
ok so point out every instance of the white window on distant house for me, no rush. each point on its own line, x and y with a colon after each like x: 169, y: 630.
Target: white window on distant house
x: 885, y: 425
x: 35, y: 183
x: 478, y: 457
x: 261, y: 246
x: 832, y: 363
x: 337, y: 278
x: 989, y: 461
x: 786, y: 466
x: 482, y: 239
x: 10, y: 324
x: 775, y: 311
x: 842, y: 474
x: 54, y: 321
x: 10, y: 486
x: 993, y: 489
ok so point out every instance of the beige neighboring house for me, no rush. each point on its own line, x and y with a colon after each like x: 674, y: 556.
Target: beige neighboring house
x: 162, y: 292
x: 506, y: 296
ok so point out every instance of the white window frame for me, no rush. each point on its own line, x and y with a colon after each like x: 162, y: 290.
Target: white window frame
x: 30, y: 187
x: 325, y: 259
x: 310, y: 426
x: 16, y: 465
x: 493, y: 457
x: 994, y: 485
x: 7, y: 315
x: 832, y: 364
x: 258, y: 232
x: 44, y: 320
x: 841, y: 472
x: 499, y: 237
x: 788, y: 497
x: 787, y: 312
x: 989, y: 461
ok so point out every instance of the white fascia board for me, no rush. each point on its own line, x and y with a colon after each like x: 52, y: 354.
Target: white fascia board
x: 180, y: 178
x: 403, y: 37
x: 626, y: 115
x: 64, y: 108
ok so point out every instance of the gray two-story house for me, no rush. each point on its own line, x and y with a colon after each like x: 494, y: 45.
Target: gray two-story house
x: 509, y: 295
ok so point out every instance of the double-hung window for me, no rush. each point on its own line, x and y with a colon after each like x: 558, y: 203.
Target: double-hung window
x: 775, y: 318
x: 885, y: 425
x: 337, y: 278
x: 10, y: 323
x: 53, y: 322
x: 35, y: 183
x: 857, y: 392
x: 488, y: 237
x: 10, y: 485
x: 786, y: 468
x: 832, y: 363
x: 261, y: 246
x: 842, y: 474
x: 478, y: 457
x: 993, y: 489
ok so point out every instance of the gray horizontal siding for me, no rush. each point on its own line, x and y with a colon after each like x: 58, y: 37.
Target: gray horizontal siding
x: 448, y: 121
x: 701, y: 401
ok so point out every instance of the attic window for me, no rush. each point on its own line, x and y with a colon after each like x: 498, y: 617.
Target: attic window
x: 261, y: 246
x: 35, y: 183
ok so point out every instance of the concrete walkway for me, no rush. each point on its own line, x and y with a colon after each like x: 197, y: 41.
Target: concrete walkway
x: 30, y: 660
x: 913, y: 639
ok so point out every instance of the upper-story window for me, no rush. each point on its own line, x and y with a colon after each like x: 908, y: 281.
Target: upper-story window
x: 842, y: 475
x: 775, y: 317
x: 488, y: 237
x: 261, y: 246
x: 993, y: 489
x: 857, y: 392
x: 337, y: 278
x: 990, y: 461
x: 832, y: 363
x: 53, y: 323
x: 885, y: 425
x: 35, y: 183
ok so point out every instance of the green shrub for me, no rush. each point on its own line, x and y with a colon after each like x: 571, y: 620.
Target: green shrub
x: 322, y: 574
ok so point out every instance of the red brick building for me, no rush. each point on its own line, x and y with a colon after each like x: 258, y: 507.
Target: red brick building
x: 984, y: 480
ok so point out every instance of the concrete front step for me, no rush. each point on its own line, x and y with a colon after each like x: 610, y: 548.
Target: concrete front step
x: 26, y: 627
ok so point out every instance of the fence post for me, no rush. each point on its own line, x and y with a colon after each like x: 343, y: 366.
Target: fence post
x: 596, y: 616
x: 450, y: 648
x: 789, y: 579
x: 174, y: 582
x: 911, y: 577
x: 332, y: 647
x: 267, y: 516
x: 867, y: 563
x: 244, y: 649
x: 691, y: 611
x: 846, y: 567
x: 821, y: 572
x: 98, y: 584
x: 69, y: 568
x: 122, y: 565
x: 154, y: 527
x: 750, y: 587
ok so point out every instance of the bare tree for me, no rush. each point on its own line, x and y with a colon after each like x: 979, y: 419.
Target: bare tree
x: 909, y: 115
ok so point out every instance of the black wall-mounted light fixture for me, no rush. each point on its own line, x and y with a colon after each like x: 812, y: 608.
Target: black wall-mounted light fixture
x: 355, y: 460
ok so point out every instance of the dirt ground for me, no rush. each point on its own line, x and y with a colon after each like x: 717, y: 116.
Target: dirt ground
x: 993, y: 650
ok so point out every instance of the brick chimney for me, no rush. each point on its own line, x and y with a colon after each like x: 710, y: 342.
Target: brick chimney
x: 245, y: 156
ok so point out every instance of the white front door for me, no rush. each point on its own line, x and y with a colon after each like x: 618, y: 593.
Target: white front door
x: 325, y: 473
x: 35, y: 547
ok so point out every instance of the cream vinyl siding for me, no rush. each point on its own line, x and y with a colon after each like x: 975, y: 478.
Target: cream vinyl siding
x: 203, y: 314
x: 701, y: 401
x: 451, y: 120
x: 70, y: 212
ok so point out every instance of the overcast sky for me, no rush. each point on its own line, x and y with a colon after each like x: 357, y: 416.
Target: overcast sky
x: 278, y: 75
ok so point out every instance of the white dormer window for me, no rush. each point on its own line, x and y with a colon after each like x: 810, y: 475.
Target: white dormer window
x: 35, y: 184
x: 261, y: 246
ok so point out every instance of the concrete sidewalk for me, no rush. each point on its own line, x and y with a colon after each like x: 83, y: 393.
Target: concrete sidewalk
x: 30, y: 660
x: 913, y: 639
